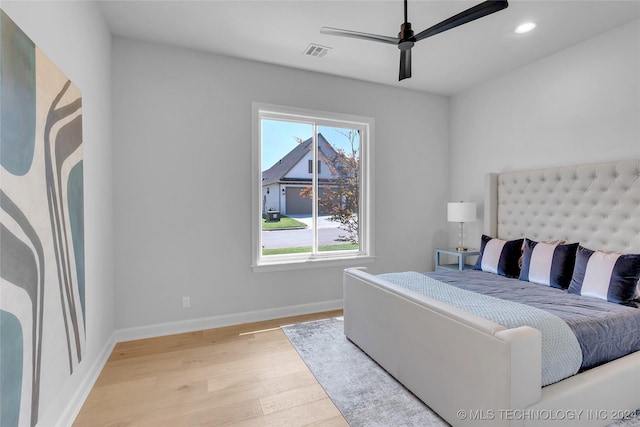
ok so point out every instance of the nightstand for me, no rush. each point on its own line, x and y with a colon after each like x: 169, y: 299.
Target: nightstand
x: 462, y: 256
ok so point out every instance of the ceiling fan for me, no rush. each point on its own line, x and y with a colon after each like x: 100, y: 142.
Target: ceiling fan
x: 406, y: 38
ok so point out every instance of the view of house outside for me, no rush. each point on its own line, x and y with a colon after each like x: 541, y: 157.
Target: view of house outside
x: 295, y: 220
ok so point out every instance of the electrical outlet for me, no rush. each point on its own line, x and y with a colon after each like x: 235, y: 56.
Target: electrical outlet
x: 186, y: 302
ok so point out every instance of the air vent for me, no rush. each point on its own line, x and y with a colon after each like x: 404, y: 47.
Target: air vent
x: 316, y: 50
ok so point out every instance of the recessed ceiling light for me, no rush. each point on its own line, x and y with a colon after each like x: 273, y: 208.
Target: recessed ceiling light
x: 525, y: 28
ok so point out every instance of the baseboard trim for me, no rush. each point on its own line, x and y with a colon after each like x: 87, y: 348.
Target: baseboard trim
x: 72, y: 409
x: 170, y: 328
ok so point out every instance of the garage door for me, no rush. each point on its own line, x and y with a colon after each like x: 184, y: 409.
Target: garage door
x: 297, y: 204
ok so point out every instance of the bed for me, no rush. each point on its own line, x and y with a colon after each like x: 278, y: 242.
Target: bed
x: 474, y: 371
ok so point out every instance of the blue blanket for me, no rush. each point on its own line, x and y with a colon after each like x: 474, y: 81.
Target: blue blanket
x: 561, y: 353
x: 605, y: 331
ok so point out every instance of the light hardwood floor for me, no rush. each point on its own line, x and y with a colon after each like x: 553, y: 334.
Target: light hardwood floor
x: 245, y: 375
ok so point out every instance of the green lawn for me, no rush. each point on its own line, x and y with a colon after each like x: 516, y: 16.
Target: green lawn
x: 285, y: 222
x: 302, y: 249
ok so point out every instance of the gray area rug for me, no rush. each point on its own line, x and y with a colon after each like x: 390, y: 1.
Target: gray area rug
x: 365, y: 394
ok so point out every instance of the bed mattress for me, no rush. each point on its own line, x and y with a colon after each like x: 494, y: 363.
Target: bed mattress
x: 605, y: 331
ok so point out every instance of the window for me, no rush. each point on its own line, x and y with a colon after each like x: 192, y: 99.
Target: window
x: 311, y: 166
x: 312, y: 187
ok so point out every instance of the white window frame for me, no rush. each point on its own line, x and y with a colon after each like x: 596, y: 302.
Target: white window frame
x: 365, y: 253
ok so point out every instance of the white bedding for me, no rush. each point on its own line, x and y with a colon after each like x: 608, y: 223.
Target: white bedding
x: 561, y: 353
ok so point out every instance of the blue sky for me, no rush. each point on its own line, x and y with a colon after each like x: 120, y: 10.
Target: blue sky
x: 279, y: 138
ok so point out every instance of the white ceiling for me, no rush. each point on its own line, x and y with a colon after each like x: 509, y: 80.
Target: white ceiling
x: 279, y: 32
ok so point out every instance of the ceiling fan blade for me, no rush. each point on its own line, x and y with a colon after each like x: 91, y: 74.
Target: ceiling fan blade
x: 405, y: 64
x: 358, y: 35
x: 478, y: 11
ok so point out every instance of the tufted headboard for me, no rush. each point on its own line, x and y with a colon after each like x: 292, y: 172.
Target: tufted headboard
x: 597, y: 205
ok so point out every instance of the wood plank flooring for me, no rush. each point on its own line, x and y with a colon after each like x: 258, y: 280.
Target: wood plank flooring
x: 245, y: 375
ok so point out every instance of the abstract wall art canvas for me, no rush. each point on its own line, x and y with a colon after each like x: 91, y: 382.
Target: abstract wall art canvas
x: 42, y: 289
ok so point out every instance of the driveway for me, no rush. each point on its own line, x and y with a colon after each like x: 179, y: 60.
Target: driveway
x: 323, y: 221
x: 328, y: 232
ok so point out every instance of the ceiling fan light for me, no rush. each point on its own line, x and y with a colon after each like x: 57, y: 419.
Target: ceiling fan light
x: 525, y: 28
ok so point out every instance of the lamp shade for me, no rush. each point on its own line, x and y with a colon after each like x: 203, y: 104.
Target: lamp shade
x: 461, y: 212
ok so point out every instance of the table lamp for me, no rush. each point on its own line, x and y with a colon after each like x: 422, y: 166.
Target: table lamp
x: 461, y: 212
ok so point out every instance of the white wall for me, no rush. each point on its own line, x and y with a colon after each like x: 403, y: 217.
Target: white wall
x: 74, y: 36
x: 272, y: 199
x: 182, y: 161
x: 580, y: 105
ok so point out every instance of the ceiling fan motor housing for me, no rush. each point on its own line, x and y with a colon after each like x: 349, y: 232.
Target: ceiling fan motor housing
x: 406, y: 37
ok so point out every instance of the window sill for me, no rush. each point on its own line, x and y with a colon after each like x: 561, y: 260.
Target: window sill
x: 302, y: 264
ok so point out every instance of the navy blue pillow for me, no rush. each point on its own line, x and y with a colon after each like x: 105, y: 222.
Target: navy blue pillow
x: 499, y: 256
x: 606, y: 275
x: 548, y: 264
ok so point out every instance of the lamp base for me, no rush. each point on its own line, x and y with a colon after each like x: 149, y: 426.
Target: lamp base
x: 462, y: 249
